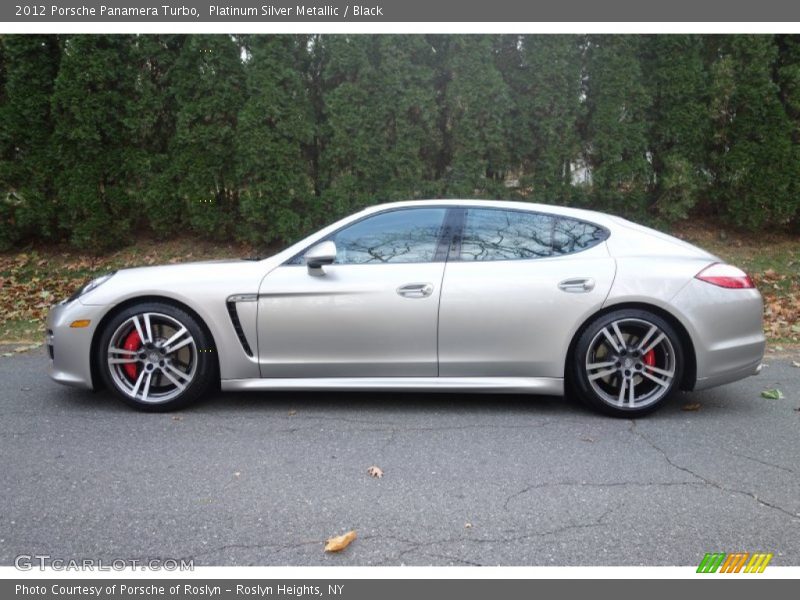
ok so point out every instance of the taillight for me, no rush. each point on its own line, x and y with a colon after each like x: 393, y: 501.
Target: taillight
x: 726, y: 276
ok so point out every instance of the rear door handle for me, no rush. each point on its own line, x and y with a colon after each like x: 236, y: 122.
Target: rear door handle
x: 577, y: 285
x: 415, y: 290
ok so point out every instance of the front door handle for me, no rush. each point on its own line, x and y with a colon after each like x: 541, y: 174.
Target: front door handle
x: 415, y: 290
x: 577, y: 285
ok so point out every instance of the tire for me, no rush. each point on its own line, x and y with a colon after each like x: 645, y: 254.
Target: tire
x: 156, y: 357
x: 626, y: 363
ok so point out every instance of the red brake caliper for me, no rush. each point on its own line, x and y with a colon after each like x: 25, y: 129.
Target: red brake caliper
x: 132, y: 342
x: 650, y: 358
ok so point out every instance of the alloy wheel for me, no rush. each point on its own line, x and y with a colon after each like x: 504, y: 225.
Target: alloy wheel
x: 152, y: 357
x: 631, y: 363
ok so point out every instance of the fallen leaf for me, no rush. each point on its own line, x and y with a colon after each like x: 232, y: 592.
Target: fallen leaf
x: 467, y: 525
x: 692, y: 406
x: 587, y: 439
x: 773, y: 394
x: 177, y: 418
x: 292, y: 413
x: 796, y: 364
x: 339, y: 543
x: 375, y: 471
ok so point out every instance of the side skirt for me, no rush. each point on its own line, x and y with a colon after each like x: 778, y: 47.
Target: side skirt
x: 547, y: 386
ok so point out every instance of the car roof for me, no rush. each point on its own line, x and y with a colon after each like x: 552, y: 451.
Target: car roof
x: 578, y: 213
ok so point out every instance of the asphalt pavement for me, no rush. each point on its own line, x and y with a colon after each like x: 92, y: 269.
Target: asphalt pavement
x: 265, y: 478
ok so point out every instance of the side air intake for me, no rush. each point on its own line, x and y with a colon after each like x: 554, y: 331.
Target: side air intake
x: 237, y: 326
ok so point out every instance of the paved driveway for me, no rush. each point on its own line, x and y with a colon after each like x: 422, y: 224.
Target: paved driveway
x: 264, y: 478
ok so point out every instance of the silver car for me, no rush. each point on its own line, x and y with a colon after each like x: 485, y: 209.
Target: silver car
x: 444, y: 295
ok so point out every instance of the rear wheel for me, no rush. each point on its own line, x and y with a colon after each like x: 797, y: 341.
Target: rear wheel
x: 627, y: 363
x: 156, y: 357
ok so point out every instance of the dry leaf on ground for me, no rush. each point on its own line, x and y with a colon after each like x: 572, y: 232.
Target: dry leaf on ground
x: 339, y: 543
x: 692, y: 406
x: 375, y: 471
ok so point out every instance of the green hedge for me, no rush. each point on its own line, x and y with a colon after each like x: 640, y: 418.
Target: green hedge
x: 263, y: 138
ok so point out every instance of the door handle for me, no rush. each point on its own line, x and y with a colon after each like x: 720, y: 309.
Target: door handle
x: 577, y: 285
x: 415, y: 290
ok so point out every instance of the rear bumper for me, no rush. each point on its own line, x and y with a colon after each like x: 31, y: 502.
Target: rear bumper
x: 727, y: 330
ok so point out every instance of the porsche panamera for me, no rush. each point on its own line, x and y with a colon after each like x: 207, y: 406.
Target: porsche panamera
x: 425, y: 295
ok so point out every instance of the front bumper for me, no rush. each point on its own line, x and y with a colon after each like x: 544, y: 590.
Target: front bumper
x: 70, y: 348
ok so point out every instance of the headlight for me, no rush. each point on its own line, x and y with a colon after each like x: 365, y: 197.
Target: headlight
x: 90, y: 286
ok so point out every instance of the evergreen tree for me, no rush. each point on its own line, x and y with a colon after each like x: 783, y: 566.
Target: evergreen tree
x: 476, y: 104
x: 754, y: 160
x: 156, y: 108
x: 275, y: 129
x: 788, y: 79
x: 544, y: 75
x: 95, y: 131
x: 679, y: 122
x: 26, y: 166
x: 208, y: 86
x: 616, y: 126
x: 380, y: 120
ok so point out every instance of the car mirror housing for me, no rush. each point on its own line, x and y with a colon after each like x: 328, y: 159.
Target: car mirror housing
x: 322, y: 254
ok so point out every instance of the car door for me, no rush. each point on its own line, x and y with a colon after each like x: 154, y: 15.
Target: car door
x: 516, y: 287
x: 372, y: 313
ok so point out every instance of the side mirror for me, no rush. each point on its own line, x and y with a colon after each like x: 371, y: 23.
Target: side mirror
x: 322, y: 254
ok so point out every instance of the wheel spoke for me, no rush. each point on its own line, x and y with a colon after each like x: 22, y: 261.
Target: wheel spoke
x: 138, y: 383
x: 122, y: 361
x: 611, y: 339
x: 148, y: 328
x: 601, y: 374
x: 177, y: 335
x: 669, y: 374
x: 654, y: 343
x: 660, y: 382
x: 631, y: 396
x: 138, y: 327
x: 184, y: 342
x: 623, y: 387
x: 147, y: 385
x: 620, y: 337
x: 647, y: 336
x: 174, y: 381
x: 122, y: 351
x: 184, y: 376
x: 601, y: 365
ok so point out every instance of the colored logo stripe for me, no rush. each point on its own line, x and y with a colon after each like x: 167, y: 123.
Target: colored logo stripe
x: 733, y: 563
x: 758, y: 563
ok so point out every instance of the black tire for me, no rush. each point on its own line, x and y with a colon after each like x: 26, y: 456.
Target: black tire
x: 152, y: 377
x: 605, y: 374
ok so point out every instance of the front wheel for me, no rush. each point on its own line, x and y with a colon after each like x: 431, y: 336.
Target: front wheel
x: 156, y: 357
x: 627, y: 363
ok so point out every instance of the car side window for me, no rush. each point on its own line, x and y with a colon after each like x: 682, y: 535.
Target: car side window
x: 571, y: 235
x: 492, y: 234
x: 398, y: 236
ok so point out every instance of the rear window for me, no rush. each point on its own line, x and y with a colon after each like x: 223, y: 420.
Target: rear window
x: 572, y: 235
x: 496, y: 234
